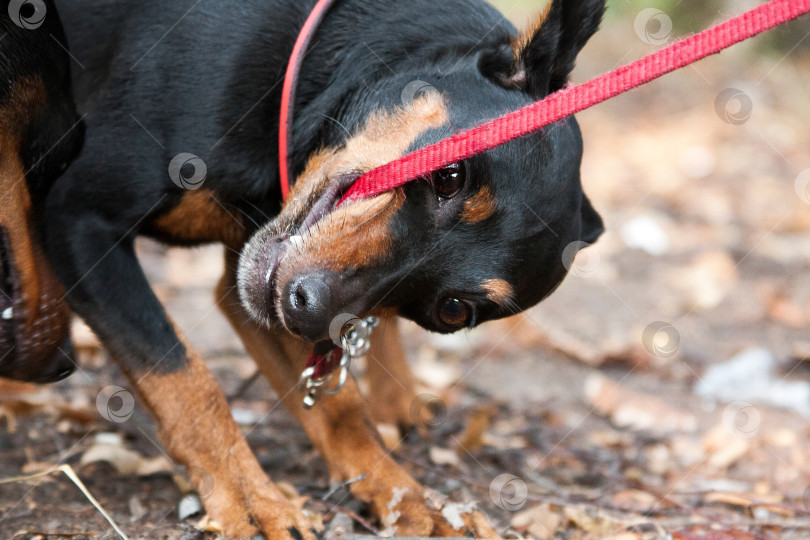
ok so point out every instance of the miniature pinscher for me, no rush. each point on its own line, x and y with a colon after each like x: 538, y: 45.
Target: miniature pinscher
x: 182, y: 101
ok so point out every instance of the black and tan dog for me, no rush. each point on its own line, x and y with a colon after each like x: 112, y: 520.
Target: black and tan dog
x: 186, y: 94
x: 40, y: 134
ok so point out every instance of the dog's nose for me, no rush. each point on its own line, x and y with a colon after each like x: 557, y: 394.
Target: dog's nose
x: 307, y: 305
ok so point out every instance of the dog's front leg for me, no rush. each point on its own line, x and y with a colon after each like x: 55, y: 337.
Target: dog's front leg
x: 96, y: 262
x: 391, y: 385
x: 343, y: 431
x: 196, y: 426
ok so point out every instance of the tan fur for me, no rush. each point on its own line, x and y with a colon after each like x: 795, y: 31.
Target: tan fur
x: 391, y: 385
x: 479, y: 207
x: 341, y: 428
x: 26, y: 96
x: 197, y: 429
x: 523, y: 39
x: 498, y: 291
x: 46, y: 315
x: 356, y: 234
x: 200, y: 218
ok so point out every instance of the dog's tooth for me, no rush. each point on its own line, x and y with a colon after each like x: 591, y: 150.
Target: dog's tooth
x: 7, y: 314
x: 296, y: 240
x: 268, y: 275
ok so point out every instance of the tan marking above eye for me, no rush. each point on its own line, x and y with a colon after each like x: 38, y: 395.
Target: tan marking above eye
x: 385, y: 136
x: 498, y: 291
x: 479, y: 207
x: 357, y: 234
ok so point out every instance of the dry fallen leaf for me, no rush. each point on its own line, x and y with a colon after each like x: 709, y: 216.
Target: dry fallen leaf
x: 593, y: 521
x: 473, y: 437
x: 634, y: 410
x: 540, y: 521
x: 444, y: 456
x: 723, y: 447
x: 390, y: 435
x: 125, y: 461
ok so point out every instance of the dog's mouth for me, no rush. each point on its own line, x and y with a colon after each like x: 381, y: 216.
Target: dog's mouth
x: 11, y: 306
x: 278, y: 247
x: 34, y: 342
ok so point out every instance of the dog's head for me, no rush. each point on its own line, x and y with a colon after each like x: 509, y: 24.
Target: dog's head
x: 476, y: 241
x: 40, y: 134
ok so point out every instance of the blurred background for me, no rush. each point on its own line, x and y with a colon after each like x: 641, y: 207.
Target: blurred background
x: 663, y: 391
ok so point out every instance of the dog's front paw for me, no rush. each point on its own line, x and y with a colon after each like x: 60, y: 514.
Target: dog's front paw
x: 244, y: 516
x: 417, y: 511
x: 247, y: 508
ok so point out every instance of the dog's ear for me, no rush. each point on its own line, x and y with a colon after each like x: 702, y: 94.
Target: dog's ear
x: 540, y: 59
x: 592, y: 225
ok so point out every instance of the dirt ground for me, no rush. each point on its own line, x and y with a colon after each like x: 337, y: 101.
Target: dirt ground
x: 597, y: 414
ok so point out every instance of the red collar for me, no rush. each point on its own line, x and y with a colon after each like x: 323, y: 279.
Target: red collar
x: 285, y: 128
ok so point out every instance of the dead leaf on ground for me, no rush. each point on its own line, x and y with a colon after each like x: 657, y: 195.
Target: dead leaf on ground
x: 723, y: 447
x: 634, y: 410
x: 479, y: 421
x: 125, y: 461
x: 540, y: 521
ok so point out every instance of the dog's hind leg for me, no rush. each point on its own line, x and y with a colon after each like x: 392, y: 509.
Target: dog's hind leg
x: 342, y: 430
x: 96, y: 262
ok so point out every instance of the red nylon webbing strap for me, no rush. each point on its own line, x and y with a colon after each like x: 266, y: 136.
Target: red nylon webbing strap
x: 285, y: 131
x: 576, y: 98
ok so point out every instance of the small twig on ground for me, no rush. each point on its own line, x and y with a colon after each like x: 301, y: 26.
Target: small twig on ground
x: 71, y: 474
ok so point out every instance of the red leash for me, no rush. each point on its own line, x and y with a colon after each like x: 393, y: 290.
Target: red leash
x: 533, y: 117
x: 574, y: 99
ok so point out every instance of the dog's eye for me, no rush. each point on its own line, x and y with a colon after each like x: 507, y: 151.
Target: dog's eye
x: 448, y: 181
x: 455, y: 313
